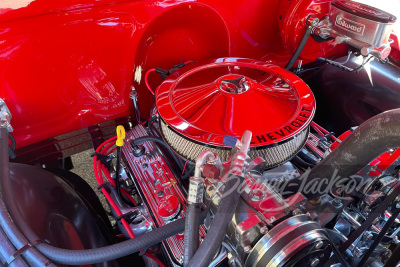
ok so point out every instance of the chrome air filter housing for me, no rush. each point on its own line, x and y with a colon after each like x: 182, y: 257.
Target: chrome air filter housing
x: 202, y: 103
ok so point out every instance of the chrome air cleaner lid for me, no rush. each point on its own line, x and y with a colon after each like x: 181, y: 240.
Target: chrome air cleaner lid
x: 204, y: 102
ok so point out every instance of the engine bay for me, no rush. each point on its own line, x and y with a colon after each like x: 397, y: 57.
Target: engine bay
x: 272, y: 224
x: 230, y: 168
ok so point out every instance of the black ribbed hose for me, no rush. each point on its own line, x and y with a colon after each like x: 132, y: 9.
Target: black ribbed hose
x: 307, y: 158
x: 112, y: 252
x: 10, y: 229
x: 216, y: 233
x: 65, y: 256
x: 107, y: 253
x: 372, y: 138
x: 192, y: 225
x: 7, y: 249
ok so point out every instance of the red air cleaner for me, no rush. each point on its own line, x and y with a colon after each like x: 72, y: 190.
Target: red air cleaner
x: 202, y: 103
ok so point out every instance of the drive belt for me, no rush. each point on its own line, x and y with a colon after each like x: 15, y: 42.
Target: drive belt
x: 368, y: 222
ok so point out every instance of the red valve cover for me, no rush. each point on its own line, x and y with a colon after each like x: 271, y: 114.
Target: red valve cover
x: 227, y: 96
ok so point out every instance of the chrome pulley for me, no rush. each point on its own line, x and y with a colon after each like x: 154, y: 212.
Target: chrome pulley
x: 296, y: 241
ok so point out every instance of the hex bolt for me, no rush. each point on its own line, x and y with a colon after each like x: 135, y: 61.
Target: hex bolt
x: 247, y: 249
x: 315, y: 22
x: 398, y: 205
x: 368, y: 235
x: 336, y: 202
x: 296, y: 212
x: 319, y: 244
x: 263, y: 230
x: 358, y: 253
x: 314, y: 262
x: 272, y: 219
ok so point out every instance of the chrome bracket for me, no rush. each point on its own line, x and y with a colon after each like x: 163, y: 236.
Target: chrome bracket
x: 5, y: 116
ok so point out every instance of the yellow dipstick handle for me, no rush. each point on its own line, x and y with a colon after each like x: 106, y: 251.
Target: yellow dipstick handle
x: 120, y: 135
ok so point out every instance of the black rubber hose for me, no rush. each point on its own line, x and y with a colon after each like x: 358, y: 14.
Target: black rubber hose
x: 150, y: 125
x: 13, y: 142
x: 103, y: 254
x: 7, y: 249
x: 91, y: 256
x: 188, y: 170
x: 117, y: 179
x: 159, y: 141
x: 372, y: 138
x: 10, y: 229
x: 299, y: 161
x: 88, y: 256
x: 192, y: 225
x: 307, y: 158
x: 299, y: 48
x: 11, y: 149
x: 219, y: 225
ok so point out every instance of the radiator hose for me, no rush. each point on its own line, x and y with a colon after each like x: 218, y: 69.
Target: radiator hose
x: 107, y: 253
x: 371, y: 139
x: 7, y: 225
x: 192, y: 224
x: 112, y: 252
x: 216, y: 234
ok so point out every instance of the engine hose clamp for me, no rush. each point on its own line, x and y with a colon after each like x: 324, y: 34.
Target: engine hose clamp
x: 312, y: 21
x: 5, y: 116
x: 104, y: 159
x: 131, y: 215
x: 20, y: 251
x: 103, y: 186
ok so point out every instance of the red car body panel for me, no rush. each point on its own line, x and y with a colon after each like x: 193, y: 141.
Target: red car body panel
x: 68, y: 65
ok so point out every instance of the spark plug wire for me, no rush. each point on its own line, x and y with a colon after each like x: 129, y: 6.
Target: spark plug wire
x: 100, y: 182
x: 107, y: 145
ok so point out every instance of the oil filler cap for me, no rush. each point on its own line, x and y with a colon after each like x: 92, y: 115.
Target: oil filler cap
x: 169, y: 207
